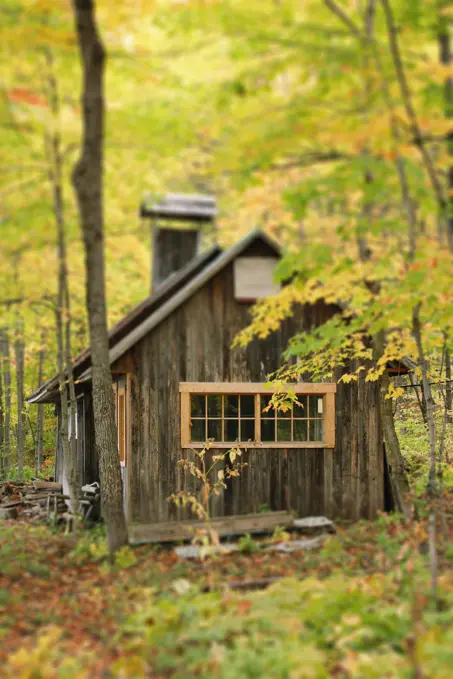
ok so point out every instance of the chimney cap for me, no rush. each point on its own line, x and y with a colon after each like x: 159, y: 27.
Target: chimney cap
x: 183, y: 207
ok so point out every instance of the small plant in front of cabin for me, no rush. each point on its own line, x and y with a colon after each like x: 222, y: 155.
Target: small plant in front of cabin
x: 247, y: 545
x: 212, y: 480
x: 279, y: 535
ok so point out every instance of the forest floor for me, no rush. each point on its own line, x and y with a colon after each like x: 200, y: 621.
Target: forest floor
x: 361, y: 606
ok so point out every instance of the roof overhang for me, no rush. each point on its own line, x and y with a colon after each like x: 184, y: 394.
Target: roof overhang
x: 205, y: 266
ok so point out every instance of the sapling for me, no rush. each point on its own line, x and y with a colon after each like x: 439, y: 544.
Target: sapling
x: 212, y: 481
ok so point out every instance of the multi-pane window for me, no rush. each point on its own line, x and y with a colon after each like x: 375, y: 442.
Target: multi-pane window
x: 303, y: 422
x: 223, y: 417
x: 225, y: 414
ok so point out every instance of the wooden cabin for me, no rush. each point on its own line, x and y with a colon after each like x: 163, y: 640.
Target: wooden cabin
x: 178, y: 383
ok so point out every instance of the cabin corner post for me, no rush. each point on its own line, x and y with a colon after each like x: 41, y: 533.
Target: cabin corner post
x: 57, y: 442
x: 128, y: 507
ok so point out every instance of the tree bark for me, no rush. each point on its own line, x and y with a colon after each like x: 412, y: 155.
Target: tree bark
x: 88, y: 183
x: 417, y: 332
x: 40, y: 414
x: 445, y: 58
x: 2, y: 424
x: 19, y: 353
x: 397, y: 471
x: 63, y: 312
x: 6, y: 370
x: 406, y: 96
x: 448, y: 390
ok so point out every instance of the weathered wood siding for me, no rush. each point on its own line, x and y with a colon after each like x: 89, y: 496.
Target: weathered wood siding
x: 88, y: 468
x: 193, y: 345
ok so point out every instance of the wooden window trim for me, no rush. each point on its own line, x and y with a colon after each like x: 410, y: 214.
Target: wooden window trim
x: 255, y: 388
x: 327, y: 390
x: 120, y: 391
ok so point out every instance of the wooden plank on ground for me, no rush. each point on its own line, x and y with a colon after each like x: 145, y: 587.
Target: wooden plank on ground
x: 176, y: 531
x: 46, y: 485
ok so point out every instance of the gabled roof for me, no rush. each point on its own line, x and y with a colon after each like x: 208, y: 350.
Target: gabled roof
x: 156, y: 307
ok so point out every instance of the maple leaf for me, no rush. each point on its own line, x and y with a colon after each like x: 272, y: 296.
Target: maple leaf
x: 22, y: 95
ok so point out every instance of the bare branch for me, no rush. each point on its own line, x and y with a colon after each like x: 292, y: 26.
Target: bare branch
x: 341, y: 14
x: 408, y: 105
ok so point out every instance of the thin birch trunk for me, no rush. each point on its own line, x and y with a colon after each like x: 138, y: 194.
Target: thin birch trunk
x: 5, y: 352
x: 445, y: 57
x: 2, y: 424
x: 63, y: 312
x: 430, y: 405
x: 448, y: 390
x: 88, y: 184
x: 64, y: 407
x: 406, y: 96
x: 19, y: 353
x: 40, y: 414
x: 72, y: 398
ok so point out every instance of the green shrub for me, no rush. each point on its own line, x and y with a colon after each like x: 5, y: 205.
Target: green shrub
x: 247, y: 545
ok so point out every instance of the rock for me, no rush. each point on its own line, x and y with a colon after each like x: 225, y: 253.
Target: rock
x: 196, y: 552
x: 314, y: 524
x: 8, y: 513
x: 297, y: 545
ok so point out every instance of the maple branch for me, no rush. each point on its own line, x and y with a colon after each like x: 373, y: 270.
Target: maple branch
x: 22, y: 183
x: 399, y: 160
x: 408, y: 105
x: 341, y: 14
x: 312, y: 158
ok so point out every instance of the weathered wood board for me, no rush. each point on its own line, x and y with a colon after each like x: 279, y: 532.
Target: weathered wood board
x: 176, y: 531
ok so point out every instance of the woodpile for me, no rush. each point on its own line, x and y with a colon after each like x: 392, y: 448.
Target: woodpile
x: 44, y: 502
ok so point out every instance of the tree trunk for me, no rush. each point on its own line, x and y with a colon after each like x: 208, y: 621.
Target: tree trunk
x: 19, y: 352
x: 417, y: 332
x: 88, y: 183
x: 63, y: 313
x: 445, y: 58
x: 40, y: 415
x: 6, y: 369
x: 448, y: 391
x: 396, y: 467
x: 2, y: 424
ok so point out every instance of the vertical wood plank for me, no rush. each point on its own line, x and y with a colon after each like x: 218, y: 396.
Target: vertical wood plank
x: 328, y: 454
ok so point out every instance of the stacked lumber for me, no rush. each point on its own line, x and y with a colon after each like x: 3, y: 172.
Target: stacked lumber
x: 44, y: 502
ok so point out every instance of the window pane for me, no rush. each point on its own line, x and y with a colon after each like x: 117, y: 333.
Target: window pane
x: 214, y: 406
x: 197, y: 430
x: 197, y: 405
x: 300, y: 430
x: 315, y: 406
x: 283, y: 430
x: 231, y: 430
x: 247, y: 406
x: 265, y: 401
x: 302, y: 409
x: 247, y: 430
x: 316, y: 430
x: 215, y: 429
x: 231, y: 406
x: 268, y: 430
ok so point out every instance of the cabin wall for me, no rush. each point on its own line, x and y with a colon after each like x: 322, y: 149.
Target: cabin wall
x: 86, y: 450
x: 193, y: 345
